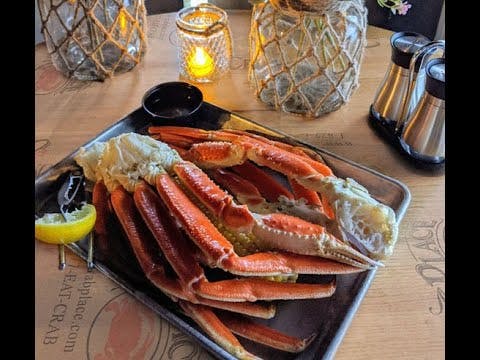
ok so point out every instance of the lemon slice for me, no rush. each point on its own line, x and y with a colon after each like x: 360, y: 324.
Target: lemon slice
x: 53, y: 229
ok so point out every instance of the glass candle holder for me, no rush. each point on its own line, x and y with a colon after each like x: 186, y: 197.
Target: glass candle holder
x: 94, y: 39
x: 205, y: 43
x: 305, y: 55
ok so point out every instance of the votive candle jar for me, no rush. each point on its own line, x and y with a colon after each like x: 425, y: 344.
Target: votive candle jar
x: 205, y: 43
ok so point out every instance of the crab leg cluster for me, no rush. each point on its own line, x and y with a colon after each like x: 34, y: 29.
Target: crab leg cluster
x: 178, y: 220
x: 370, y: 224
x: 145, y: 247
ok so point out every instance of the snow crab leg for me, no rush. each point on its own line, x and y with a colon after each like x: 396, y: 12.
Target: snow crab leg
x: 179, y: 253
x: 273, y: 231
x: 217, y: 330
x: 371, y: 223
x: 150, y: 220
x: 153, y: 265
x: 221, y: 326
x: 248, y: 329
x: 129, y: 158
x: 196, y: 308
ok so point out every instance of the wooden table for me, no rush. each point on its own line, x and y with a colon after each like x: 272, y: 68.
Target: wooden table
x: 402, y: 315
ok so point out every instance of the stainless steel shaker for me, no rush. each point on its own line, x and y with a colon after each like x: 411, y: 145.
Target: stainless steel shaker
x: 423, y: 135
x: 389, y: 102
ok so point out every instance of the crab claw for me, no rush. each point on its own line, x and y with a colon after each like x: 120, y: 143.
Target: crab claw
x: 281, y: 231
x: 365, y: 222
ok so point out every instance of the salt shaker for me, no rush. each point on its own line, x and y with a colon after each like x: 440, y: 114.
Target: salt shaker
x: 423, y: 135
x: 390, y: 99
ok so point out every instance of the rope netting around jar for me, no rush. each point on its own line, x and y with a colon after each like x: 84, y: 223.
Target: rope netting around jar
x: 93, y: 39
x: 307, y: 62
x: 295, y: 6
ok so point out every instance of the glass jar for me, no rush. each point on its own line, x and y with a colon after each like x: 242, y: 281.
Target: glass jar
x: 205, y: 44
x: 94, y: 39
x: 306, y: 62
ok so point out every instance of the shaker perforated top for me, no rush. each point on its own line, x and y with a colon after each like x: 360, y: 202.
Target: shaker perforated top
x: 435, y: 84
x: 404, y: 45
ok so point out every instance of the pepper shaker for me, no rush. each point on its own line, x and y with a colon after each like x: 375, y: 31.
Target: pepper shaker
x: 423, y: 135
x: 391, y: 95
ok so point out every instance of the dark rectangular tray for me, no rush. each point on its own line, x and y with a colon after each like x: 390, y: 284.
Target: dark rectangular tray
x: 328, y: 317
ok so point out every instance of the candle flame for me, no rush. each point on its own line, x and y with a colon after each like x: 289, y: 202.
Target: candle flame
x: 122, y: 21
x: 201, y: 57
x: 200, y: 63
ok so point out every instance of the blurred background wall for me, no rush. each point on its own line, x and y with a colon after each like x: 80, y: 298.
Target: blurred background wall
x: 425, y: 16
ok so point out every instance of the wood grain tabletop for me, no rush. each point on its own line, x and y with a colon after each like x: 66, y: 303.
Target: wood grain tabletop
x: 403, y: 313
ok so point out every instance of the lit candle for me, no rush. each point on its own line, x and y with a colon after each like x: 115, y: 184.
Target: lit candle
x: 122, y: 21
x: 205, y: 45
x: 200, y: 63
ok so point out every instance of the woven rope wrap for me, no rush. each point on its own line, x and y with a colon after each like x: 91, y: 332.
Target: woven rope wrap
x: 295, y: 6
x: 307, y: 62
x: 94, y: 39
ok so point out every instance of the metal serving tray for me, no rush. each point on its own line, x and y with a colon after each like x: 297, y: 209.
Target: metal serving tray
x: 328, y: 317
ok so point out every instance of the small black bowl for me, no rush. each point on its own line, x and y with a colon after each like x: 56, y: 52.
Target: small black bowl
x: 172, y: 100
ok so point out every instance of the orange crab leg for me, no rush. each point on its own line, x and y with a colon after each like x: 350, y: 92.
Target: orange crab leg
x: 262, y: 334
x: 245, y: 308
x: 275, y: 231
x: 327, y: 208
x: 252, y: 289
x: 176, y: 248
x: 312, y: 197
x: 143, y: 243
x: 220, y: 327
x: 274, y: 150
x: 212, y: 325
x: 320, y: 166
x: 287, y: 159
x: 101, y: 200
x: 112, y: 246
x: 269, y: 187
x: 219, y: 251
x: 195, y: 223
x: 178, y: 251
x: 301, y: 192
x: 215, y: 199
x: 172, y: 139
x: 223, y: 148
x: 217, y: 152
x: 221, y: 154
x: 124, y: 206
x: 152, y: 264
x: 247, y: 193
x: 244, y: 190
x: 188, y: 136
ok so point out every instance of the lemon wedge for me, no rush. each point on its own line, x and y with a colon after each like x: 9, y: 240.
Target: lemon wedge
x: 53, y: 229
